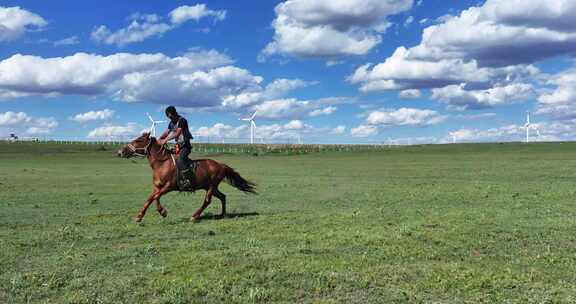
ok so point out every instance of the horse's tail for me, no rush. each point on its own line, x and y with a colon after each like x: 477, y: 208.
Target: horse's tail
x: 235, y: 180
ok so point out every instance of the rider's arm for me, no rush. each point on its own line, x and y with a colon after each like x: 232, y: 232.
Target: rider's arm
x: 171, y: 136
x: 164, y: 134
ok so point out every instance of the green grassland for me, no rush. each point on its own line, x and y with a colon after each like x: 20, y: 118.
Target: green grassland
x: 478, y: 223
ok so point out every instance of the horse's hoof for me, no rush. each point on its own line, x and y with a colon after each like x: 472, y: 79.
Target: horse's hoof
x: 195, y: 219
x: 138, y: 220
x: 163, y: 212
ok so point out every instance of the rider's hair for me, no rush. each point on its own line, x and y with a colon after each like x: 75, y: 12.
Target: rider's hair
x: 171, y: 110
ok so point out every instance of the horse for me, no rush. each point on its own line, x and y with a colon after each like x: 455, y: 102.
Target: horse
x: 207, y: 176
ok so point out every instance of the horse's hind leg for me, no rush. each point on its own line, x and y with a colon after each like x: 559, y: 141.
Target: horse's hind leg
x: 222, y: 197
x: 207, y: 200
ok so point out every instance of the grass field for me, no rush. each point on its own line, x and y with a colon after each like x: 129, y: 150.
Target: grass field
x: 483, y: 223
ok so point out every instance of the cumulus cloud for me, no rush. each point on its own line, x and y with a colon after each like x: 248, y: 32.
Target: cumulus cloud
x: 404, y: 117
x: 502, y: 33
x: 364, y: 131
x: 130, y: 129
x: 16, y: 122
x: 220, y: 130
x: 561, y: 102
x: 458, y: 98
x: 197, y: 78
x: 282, y: 108
x: 93, y: 116
x: 191, y: 89
x: 276, y: 89
x: 144, y: 26
x: 13, y: 118
x: 339, y: 130
x: 195, y: 12
x: 324, y: 111
x: 292, y: 108
x: 329, y: 28
x: 135, y: 32
x: 42, y: 125
x: 410, y: 94
x: 294, y: 125
x: 201, y: 79
x: 67, y: 41
x: 408, y: 21
x: 401, y: 72
x: 547, y: 131
x: 490, y: 48
x: 289, y: 130
x: 15, y: 21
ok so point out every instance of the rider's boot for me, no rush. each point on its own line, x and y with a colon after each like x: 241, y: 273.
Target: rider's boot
x: 186, y: 178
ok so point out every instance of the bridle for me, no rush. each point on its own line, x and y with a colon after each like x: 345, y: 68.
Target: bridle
x: 135, y: 151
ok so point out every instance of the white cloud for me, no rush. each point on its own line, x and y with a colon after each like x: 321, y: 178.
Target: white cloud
x: 294, y: 125
x: 458, y: 98
x: 561, y: 102
x: 502, y: 33
x: 404, y: 117
x: 135, y: 32
x: 93, y: 116
x: 289, y: 130
x: 42, y: 125
x: 408, y: 21
x: 144, y: 26
x: 499, y: 134
x: 292, y: 108
x: 15, y: 122
x: 67, y: 41
x: 329, y: 28
x: 547, y: 131
x: 195, y: 12
x: 324, y: 111
x: 364, y: 131
x: 191, y: 89
x: 282, y: 108
x: 400, y: 71
x: 276, y: 89
x: 77, y: 74
x: 193, y: 79
x: 127, y: 130
x: 339, y: 130
x: 410, y: 94
x: 14, y: 22
x: 220, y: 130
x: 13, y: 118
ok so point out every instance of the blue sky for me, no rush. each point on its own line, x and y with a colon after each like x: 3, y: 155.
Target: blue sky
x: 354, y: 71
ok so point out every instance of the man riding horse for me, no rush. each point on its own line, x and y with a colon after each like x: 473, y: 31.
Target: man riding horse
x: 178, y: 130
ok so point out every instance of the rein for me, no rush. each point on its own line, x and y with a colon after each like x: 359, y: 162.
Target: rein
x: 134, y: 149
x: 146, y: 151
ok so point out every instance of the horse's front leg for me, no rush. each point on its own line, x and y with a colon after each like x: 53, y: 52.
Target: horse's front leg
x: 149, y: 201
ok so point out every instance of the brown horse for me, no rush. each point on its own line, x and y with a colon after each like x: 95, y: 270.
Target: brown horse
x: 208, y: 175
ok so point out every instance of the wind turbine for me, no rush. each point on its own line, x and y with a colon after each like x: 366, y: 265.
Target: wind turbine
x: 154, y: 123
x: 528, y: 126
x: 252, y: 126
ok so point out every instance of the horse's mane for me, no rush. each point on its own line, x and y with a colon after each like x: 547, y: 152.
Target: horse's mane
x: 160, y: 153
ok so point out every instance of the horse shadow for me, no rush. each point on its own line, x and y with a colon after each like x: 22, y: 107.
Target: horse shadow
x: 211, y: 217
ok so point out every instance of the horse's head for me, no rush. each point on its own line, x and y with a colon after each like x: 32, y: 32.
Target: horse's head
x: 138, y: 147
